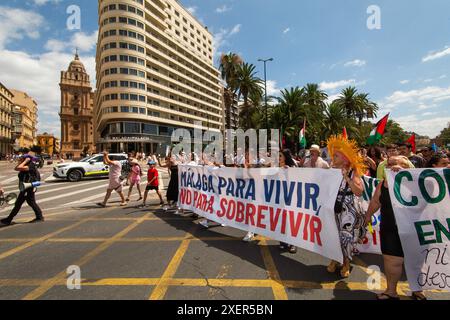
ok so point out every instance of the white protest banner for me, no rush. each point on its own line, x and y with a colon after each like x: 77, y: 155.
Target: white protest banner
x: 371, y: 242
x: 421, y: 202
x: 292, y: 205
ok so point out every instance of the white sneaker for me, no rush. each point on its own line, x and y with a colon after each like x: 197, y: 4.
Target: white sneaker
x: 249, y: 237
x: 178, y: 212
x: 204, y: 223
x: 223, y: 225
x: 166, y: 207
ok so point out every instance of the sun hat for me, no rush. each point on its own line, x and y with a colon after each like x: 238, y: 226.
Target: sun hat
x: 349, y: 149
x: 314, y: 147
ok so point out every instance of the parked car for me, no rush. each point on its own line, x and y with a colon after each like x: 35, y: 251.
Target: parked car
x: 88, y: 167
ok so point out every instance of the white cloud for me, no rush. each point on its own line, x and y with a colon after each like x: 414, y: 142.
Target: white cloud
x: 419, y: 96
x: 436, y: 55
x: 223, y: 9
x: 272, y: 89
x: 443, y: 76
x: 44, y: 2
x: 221, y: 38
x: 425, y: 114
x: 286, y: 30
x: 17, y: 24
x: 429, y: 127
x: 84, y: 42
x: 404, y: 81
x: 332, y: 97
x: 337, y: 84
x: 355, y: 63
x: 236, y: 29
x: 192, y: 10
x: 428, y: 80
x: 426, y: 106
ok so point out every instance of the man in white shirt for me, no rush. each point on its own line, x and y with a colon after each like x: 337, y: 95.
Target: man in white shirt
x: 315, y: 161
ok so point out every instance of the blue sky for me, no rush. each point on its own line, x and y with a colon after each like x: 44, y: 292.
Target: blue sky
x: 404, y: 65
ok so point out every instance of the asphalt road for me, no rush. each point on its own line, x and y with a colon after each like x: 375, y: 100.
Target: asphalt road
x: 132, y: 253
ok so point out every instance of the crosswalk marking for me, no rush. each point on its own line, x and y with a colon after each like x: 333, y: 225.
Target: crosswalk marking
x: 58, y: 189
x: 64, y: 195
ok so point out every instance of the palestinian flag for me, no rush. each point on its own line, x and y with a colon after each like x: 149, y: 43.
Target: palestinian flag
x: 377, y: 133
x: 302, y: 137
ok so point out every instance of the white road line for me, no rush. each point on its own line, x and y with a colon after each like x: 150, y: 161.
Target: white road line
x: 63, y: 196
x: 47, y: 185
x: 87, y: 200
x: 12, y: 179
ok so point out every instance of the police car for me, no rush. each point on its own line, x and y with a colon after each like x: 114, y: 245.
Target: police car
x: 88, y: 167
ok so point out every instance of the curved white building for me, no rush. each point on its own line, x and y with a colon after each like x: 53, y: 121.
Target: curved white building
x: 155, y: 73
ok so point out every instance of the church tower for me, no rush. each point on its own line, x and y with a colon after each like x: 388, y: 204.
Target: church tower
x: 76, y: 114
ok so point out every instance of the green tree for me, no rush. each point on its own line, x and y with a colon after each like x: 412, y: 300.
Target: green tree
x: 228, y: 66
x: 444, y: 136
x: 247, y: 84
x: 394, y: 133
x: 357, y: 105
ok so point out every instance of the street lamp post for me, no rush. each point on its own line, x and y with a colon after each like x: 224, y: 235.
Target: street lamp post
x: 265, y: 89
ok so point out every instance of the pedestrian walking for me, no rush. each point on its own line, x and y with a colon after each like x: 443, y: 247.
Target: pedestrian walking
x: 115, y: 183
x: 348, y: 210
x: 28, y: 173
x: 135, y: 179
x: 152, y: 183
x: 391, y: 246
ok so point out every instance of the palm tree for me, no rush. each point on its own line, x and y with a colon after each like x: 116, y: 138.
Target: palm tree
x: 334, y: 120
x: 349, y: 101
x: 246, y: 84
x: 228, y: 66
x: 314, y: 96
x: 357, y: 104
x: 252, y: 116
x: 369, y: 108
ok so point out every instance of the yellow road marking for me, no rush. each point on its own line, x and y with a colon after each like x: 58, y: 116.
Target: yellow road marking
x: 160, y: 291
x: 41, y: 239
x: 277, y: 287
x: 38, y: 292
x: 236, y: 283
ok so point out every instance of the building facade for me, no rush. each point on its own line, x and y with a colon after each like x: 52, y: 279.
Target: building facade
x: 155, y: 74
x: 24, y: 120
x: 6, y: 142
x: 47, y: 142
x: 76, y: 114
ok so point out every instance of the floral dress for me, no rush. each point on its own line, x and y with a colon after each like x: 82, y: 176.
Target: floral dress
x: 349, y: 219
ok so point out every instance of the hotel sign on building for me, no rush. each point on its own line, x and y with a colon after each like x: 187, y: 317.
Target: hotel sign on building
x: 155, y: 74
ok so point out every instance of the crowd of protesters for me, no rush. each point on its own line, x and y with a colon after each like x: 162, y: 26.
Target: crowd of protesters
x: 339, y: 153
x: 351, y: 219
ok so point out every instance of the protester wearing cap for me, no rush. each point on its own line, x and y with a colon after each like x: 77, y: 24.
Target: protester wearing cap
x: 349, y: 213
x: 152, y: 183
x: 315, y: 160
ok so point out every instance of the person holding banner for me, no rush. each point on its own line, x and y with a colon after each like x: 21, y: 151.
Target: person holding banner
x: 286, y: 161
x: 391, y: 246
x: 349, y: 213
